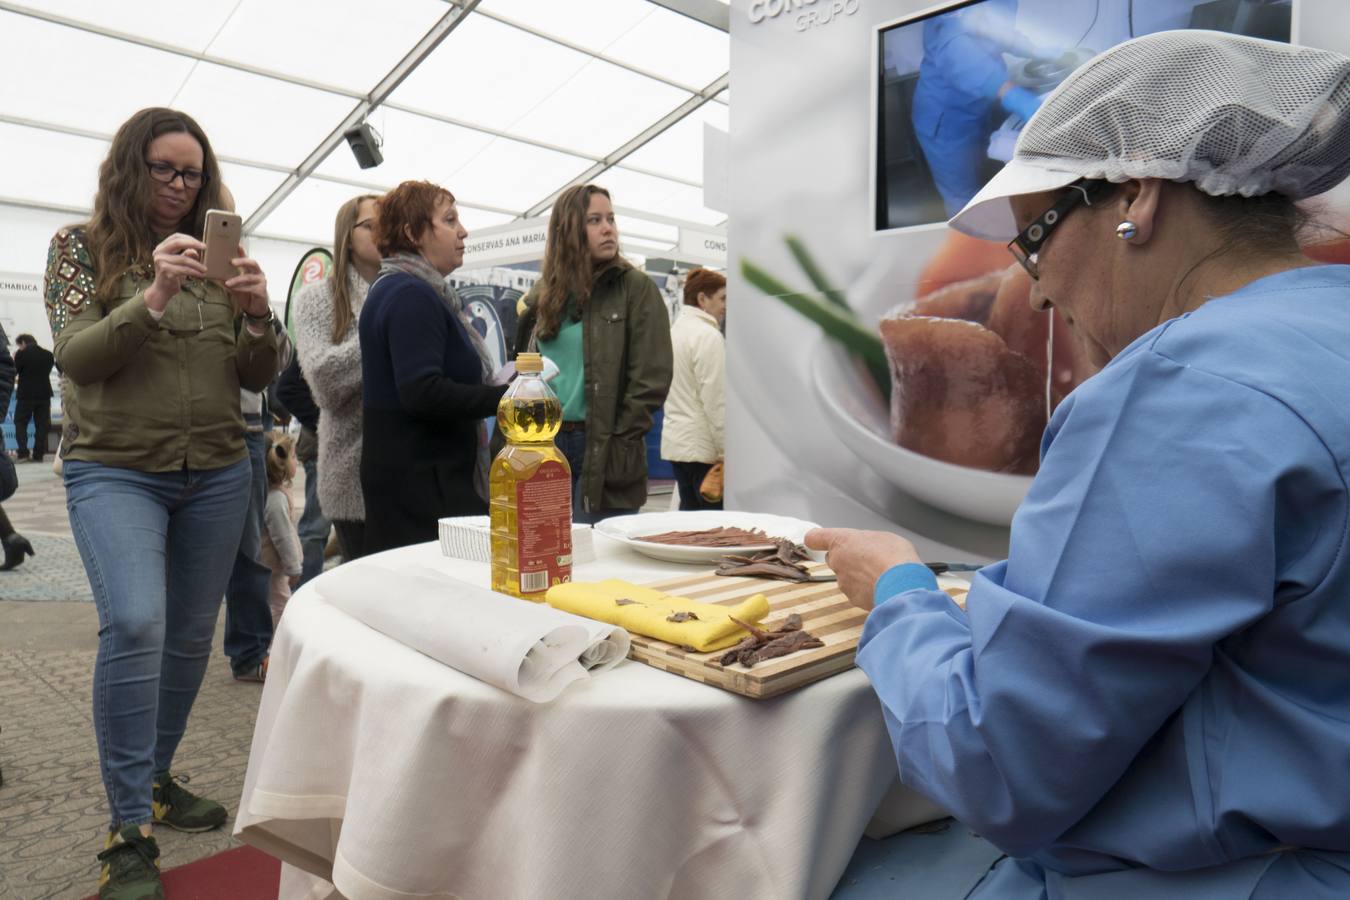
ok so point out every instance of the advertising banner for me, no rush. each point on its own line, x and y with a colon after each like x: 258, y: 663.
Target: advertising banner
x: 859, y: 128
x: 502, y: 245
x: 708, y: 247
x: 21, y: 306
x: 313, y: 266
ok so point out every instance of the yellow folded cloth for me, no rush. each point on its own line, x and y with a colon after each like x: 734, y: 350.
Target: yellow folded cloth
x: 646, y: 611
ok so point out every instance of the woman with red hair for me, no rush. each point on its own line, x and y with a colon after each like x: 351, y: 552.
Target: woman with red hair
x: 426, y: 376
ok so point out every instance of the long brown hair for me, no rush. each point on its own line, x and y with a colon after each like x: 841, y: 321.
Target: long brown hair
x: 343, y: 227
x: 567, y: 269
x: 118, y: 233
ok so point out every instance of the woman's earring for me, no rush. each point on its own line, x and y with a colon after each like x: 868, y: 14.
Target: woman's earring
x: 1126, y: 230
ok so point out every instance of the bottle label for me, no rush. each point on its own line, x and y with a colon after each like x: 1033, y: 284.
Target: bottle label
x: 544, y: 523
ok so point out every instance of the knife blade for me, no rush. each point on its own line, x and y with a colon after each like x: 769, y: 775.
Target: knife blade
x: 937, y: 568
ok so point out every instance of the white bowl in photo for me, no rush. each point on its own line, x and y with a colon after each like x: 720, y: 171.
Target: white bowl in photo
x: 862, y: 423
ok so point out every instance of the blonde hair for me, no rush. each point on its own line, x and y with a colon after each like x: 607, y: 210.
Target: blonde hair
x: 279, y: 451
x: 342, y: 257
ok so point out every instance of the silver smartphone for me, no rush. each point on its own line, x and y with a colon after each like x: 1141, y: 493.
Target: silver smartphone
x: 221, y: 236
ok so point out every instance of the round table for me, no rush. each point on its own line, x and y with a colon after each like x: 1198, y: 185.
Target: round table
x: 381, y: 773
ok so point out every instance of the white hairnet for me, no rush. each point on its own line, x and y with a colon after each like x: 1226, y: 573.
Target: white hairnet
x: 1235, y: 115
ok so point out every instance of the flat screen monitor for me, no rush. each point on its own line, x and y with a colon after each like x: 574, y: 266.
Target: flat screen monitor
x: 955, y: 84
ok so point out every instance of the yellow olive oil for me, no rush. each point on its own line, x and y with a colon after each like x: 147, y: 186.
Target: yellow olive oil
x: 530, y: 489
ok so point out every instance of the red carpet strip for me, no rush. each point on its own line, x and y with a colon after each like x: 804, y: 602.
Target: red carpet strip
x: 243, y: 873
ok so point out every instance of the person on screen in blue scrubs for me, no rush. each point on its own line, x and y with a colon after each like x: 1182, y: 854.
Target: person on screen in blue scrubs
x: 1148, y: 697
x: 962, y: 76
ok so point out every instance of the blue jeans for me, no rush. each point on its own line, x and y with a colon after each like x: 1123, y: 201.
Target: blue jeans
x: 152, y: 547
x: 313, y: 525
x: 248, y: 618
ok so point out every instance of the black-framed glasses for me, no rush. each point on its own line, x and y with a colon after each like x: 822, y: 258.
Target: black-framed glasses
x: 165, y: 174
x: 1026, y: 247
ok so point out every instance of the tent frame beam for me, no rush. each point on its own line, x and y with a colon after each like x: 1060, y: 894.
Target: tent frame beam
x: 421, y: 50
x: 642, y: 139
x: 709, y: 12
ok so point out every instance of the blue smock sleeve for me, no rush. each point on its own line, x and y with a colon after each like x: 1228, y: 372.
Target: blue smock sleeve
x: 969, y: 67
x: 1162, y: 521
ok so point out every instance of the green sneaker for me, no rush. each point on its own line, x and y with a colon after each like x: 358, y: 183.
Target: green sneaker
x: 180, y: 809
x: 130, y: 867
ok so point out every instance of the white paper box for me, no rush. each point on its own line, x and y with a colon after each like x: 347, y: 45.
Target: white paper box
x: 468, y: 537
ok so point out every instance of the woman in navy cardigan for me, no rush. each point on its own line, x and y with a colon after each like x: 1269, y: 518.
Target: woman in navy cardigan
x: 426, y: 376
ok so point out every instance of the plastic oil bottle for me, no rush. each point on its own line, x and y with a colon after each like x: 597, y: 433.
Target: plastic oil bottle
x: 530, y: 489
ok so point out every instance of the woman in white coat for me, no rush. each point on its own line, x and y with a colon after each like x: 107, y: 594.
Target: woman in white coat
x: 693, y: 433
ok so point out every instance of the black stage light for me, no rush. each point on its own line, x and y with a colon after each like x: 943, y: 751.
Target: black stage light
x: 365, y: 144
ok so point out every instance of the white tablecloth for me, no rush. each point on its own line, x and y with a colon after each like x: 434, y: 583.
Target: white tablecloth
x: 390, y: 775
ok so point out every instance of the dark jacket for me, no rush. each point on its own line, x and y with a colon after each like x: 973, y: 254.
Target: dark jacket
x: 34, y: 367
x: 6, y: 375
x: 626, y: 347
x: 294, y: 396
x: 9, y: 481
x: 423, y: 402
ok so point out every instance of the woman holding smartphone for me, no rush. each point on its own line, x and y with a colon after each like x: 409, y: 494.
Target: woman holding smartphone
x: 604, y: 324
x: 156, y: 471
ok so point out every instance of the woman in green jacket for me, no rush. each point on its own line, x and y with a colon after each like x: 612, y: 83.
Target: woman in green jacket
x: 605, y: 326
x: 157, y: 475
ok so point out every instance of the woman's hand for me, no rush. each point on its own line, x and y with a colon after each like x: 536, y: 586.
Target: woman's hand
x: 248, y: 289
x: 177, y: 258
x: 859, y: 558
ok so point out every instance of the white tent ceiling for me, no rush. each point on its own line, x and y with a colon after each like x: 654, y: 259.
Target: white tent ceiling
x: 505, y: 102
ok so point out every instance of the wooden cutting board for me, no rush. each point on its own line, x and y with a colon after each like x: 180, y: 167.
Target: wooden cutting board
x: 825, y: 612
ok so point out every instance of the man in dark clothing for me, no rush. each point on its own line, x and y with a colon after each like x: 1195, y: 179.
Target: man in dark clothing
x: 33, y: 396
x: 14, y: 546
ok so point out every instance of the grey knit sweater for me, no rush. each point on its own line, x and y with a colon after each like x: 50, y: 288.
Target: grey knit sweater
x: 334, y: 375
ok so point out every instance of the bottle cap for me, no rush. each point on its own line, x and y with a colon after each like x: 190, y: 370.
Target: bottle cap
x: 529, y: 362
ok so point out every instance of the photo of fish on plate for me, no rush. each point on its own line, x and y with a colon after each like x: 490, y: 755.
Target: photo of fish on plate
x: 935, y: 370
x: 947, y: 395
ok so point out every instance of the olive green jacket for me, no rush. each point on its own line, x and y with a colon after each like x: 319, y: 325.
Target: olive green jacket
x: 151, y: 395
x: 626, y: 347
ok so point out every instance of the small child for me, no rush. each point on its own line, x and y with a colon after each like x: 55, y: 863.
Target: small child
x: 281, y: 543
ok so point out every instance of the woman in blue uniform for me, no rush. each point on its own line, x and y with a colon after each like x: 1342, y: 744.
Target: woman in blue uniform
x: 1147, y: 698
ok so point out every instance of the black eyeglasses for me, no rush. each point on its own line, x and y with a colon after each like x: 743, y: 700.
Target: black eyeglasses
x: 1027, y: 245
x: 165, y: 174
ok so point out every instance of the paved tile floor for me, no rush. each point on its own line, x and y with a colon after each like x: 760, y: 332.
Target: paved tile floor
x: 53, y: 812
